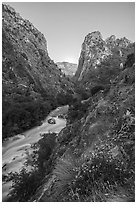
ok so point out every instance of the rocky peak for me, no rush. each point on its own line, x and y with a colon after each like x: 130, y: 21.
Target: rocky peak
x: 111, y: 41
x: 123, y: 42
x: 95, y: 51
x: 111, y: 38
x: 93, y: 38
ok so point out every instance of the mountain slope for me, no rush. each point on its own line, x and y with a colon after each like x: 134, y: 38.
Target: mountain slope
x: 67, y: 68
x: 95, y: 153
x: 25, y: 55
x: 29, y: 75
x: 94, y: 157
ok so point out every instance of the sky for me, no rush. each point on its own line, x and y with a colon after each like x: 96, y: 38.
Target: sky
x: 65, y: 24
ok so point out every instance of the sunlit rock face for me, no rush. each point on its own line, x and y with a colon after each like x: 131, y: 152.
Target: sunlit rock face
x: 67, y: 68
x: 111, y: 41
x: 93, y: 52
x: 27, y: 67
x: 97, y: 53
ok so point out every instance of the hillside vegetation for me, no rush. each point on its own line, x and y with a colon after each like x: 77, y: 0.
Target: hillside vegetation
x: 93, y: 159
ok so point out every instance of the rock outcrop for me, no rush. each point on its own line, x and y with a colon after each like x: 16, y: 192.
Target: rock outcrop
x: 67, y: 68
x: 100, y: 58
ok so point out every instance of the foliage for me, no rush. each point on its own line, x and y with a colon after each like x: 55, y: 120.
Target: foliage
x: 96, y: 89
x: 65, y: 170
x: 81, y: 91
x: 25, y: 183
x: 20, y: 116
x: 97, y: 180
x: 64, y: 99
x: 45, y: 147
x: 107, y: 173
x: 77, y: 111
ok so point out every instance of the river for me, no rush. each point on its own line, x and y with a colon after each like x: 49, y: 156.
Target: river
x: 16, y: 149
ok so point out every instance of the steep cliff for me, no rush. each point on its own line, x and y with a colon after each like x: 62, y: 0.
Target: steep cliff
x: 101, y: 59
x: 67, y: 68
x: 28, y: 73
x: 26, y: 62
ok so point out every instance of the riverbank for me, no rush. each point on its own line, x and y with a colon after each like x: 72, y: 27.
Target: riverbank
x: 16, y: 150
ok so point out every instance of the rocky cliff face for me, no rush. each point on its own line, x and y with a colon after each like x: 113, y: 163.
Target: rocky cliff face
x: 67, y: 68
x: 29, y: 77
x: 27, y: 66
x: 100, y: 57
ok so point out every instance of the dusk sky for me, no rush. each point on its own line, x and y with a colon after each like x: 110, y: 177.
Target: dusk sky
x: 65, y: 25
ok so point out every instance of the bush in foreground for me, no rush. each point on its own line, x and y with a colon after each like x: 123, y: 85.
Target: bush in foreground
x: 25, y: 183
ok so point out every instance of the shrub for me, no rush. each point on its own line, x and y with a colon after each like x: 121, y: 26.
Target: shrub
x: 64, y: 99
x: 82, y: 93
x: 100, y: 178
x: 65, y: 172
x: 45, y: 148
x: 96, y: 89
x: 77, y: 111
x: 25, y: 183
